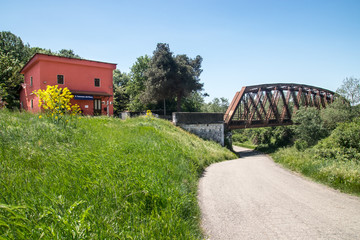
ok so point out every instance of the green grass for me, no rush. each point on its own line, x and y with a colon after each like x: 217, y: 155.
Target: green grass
x: 336, y: 173
x: 103, y: 179
x: 246, y: 144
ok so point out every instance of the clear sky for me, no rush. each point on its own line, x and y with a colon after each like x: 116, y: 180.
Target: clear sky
x: 244, y: 42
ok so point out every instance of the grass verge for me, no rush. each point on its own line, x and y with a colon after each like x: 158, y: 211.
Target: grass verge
x: 247, y: 144
x: 342, y: 175
x: 103, y: 179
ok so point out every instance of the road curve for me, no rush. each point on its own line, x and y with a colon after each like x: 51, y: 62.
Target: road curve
x: 254, y: 198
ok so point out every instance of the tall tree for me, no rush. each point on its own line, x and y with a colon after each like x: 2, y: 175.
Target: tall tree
x: 121, y: 98
x: 136, y: 86
x: 171, y: 77
x: 14, y: 47
x: 13, y: 55
x: 350, y: 89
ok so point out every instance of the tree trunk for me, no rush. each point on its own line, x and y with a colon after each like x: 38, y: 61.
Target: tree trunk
x: 178, y: 102
x: 164, y: 107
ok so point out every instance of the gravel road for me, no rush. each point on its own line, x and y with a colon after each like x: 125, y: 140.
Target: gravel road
x: 254, y: 198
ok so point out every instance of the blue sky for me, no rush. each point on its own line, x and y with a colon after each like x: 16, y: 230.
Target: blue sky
x: 242, y: 42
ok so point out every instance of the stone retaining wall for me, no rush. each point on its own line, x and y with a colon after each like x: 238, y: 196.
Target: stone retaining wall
x: 209, y: 126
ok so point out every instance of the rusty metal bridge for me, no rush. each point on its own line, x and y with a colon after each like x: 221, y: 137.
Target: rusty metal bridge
x: 273, y: 104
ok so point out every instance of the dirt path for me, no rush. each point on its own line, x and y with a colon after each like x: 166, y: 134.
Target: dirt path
x: 254, y: 198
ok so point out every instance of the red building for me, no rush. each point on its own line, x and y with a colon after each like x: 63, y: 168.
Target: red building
x: 90, y: 82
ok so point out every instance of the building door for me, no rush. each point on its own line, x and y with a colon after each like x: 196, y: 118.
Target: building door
x: 97, y: 107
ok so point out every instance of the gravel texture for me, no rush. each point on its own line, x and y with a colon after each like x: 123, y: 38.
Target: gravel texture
x: 254, y: 198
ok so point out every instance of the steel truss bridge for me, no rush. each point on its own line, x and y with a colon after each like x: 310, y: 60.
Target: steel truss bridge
x: 273, y: 104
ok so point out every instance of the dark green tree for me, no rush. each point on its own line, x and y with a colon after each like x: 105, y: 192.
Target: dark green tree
x: 13, y: 46
x: 171, y: 77
x: 13, y: 55
x: 69, y: 53
x: 121, y: 98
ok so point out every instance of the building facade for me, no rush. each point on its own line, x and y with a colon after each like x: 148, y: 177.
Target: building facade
x: 90, y: 82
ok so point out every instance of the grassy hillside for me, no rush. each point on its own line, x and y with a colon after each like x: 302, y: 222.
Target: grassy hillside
x: 103, y: 179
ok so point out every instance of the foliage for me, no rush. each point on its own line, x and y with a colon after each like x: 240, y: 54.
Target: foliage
x: 105, y: 179
x: 261, y: 136
x: 55, y: 102
x: 350, y: 89
x: 69, y: 53
x: 193, y: 102
x: 346, y: 135
x: 334, y: 160
x: 343, y: 175
x: 34, y: 50
x: 339, y: 111
x: 169, y: 76
x: 13, y: 46
x: 135, y: 87
x: 13, y: 54
x: 283, y: 136
x: 219, y: 105
x: 310, y: 127
x: 121, y: 98
x: 10, y: 80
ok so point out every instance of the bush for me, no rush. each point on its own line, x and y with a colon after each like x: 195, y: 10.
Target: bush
x: 237, y: 137
x: 310, y: 127
x: 347, y: 135
x: 261, y: 136
x: 301, y: 145
x: 283, y: 136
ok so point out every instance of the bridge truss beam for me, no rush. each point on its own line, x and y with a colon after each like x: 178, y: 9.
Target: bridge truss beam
x: 273, y: 104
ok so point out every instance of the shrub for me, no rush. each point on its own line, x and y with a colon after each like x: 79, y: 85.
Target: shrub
x: 347, y: 135
x: 237, y: 137
x: 310, y: 127
x: 55, y: 103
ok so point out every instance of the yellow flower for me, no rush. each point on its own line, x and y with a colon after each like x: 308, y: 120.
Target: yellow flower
x: 40, y: 116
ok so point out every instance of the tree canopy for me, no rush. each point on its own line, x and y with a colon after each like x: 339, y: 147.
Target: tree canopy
x: 171, y: 77
x: 350, y: 89
x: 13, y: 55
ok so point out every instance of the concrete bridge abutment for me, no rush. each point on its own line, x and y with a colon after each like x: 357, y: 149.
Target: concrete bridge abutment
x: 209, y: 126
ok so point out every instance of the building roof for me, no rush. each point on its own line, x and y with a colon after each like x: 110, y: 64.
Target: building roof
x: 52, y: 58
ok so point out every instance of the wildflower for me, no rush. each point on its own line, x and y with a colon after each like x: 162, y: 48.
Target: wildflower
x: 40, y: 116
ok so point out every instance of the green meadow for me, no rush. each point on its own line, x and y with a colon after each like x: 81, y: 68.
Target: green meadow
x: 100, y: 178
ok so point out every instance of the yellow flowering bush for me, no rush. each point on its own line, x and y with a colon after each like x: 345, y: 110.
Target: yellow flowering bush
x: 149, y: 114
x: 55, y: 103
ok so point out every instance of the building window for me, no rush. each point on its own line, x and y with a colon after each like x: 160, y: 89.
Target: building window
x: 97, y: 82
x: 60, y: 79
x: 31, y: 104
x: 31, y: 81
